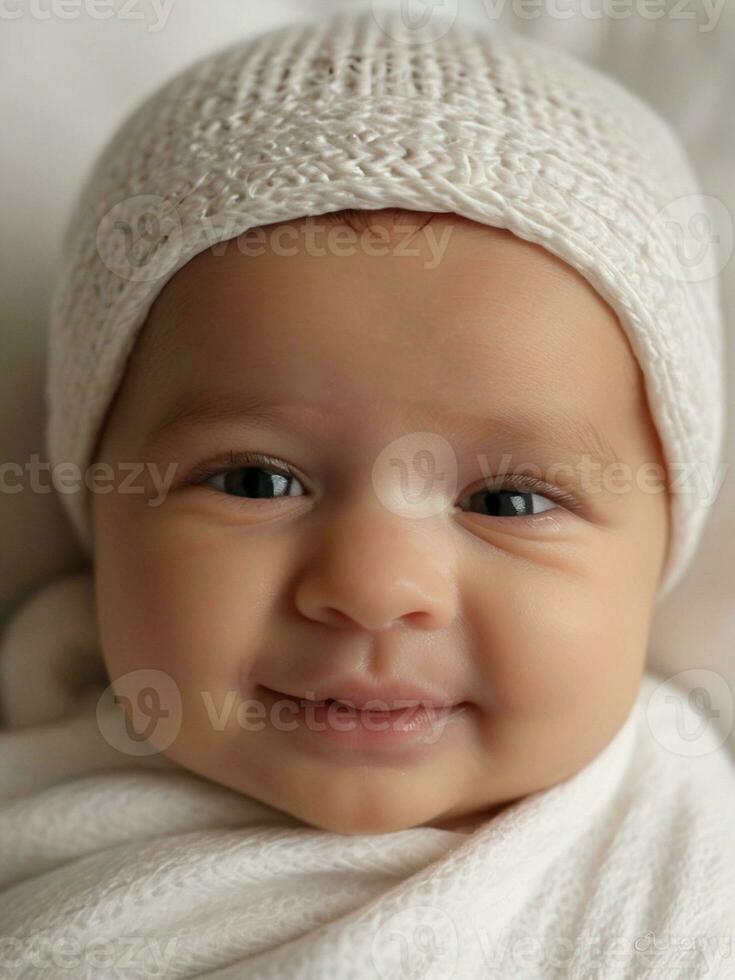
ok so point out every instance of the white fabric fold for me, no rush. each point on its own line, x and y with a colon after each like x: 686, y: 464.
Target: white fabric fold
x: 120, y: 866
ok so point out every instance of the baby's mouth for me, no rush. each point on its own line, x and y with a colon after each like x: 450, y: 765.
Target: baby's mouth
x: 371, y: 724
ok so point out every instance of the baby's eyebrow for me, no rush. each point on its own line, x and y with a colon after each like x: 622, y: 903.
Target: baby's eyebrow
x: 207, y: 409
x: 554, y: 431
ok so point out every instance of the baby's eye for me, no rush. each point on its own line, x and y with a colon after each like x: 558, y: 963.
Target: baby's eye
x: 255, y: 481
x: 511, y: 502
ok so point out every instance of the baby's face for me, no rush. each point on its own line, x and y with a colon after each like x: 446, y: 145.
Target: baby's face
x: 390, y: 539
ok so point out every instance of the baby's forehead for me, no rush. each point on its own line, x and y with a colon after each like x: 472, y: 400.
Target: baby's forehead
x: 490, y: 296
x: 498, y: 324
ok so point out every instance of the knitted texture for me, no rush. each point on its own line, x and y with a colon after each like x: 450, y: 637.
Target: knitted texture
x: 358, y: 110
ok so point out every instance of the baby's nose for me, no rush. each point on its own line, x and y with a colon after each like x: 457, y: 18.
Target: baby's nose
x: 371, y: 569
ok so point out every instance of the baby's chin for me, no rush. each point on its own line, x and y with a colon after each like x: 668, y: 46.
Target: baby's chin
x: 385, y: 814
x: 363, y: 798
x: 378, y: 813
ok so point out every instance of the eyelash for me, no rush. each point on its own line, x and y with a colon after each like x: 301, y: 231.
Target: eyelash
x: 518, y: 481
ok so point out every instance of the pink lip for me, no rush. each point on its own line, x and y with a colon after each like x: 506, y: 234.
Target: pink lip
x: 416, y: 725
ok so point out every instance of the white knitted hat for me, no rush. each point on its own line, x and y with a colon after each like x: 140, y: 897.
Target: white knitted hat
x: 361, y: 110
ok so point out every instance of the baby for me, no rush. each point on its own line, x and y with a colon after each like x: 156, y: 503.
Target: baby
x: 380, y: 360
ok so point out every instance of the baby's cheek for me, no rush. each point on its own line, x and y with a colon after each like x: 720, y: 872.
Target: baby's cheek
x: 559, y: 646
x: 562, y: 666
x: 183, y: 606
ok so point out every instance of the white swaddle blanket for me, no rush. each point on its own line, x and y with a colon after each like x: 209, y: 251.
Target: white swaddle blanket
x: 120, y: 866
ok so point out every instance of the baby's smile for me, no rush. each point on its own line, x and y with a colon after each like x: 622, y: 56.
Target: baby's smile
x: 391, y: 481
x: 375, y: 727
